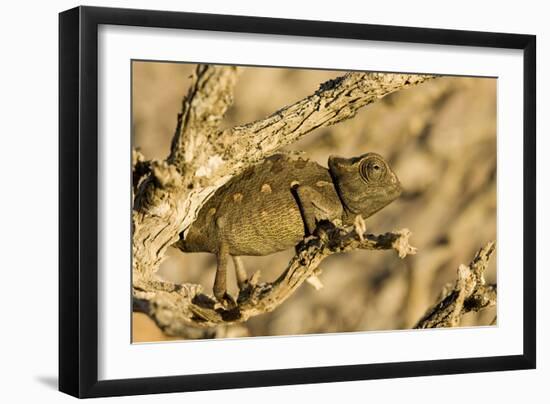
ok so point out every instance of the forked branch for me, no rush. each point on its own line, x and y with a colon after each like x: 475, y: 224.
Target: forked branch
x: 176, y: 307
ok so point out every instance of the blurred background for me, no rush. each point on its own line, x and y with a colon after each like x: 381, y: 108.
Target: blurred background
x: 440, y: 140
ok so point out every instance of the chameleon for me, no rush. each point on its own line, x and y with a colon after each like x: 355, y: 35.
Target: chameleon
x: 273, y: 205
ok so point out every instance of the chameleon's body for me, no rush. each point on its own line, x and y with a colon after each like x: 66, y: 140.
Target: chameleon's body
x: 257, y: 212
x: 270, y: 207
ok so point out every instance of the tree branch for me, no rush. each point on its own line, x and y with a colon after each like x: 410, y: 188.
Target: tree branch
x: 207, y: 100
x: 177, y: 307
x: 335, y: 100
x: 470, y: 293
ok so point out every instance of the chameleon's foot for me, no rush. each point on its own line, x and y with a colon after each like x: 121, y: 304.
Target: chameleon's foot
x: 227, y: 301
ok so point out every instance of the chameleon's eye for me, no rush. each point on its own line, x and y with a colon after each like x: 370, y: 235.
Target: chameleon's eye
x: 373, y: 169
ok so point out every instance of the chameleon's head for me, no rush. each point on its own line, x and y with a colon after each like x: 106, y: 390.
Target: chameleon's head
x: 365, y: 184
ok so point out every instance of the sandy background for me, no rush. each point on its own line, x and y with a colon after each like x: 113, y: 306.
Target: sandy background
x: 440, y: 139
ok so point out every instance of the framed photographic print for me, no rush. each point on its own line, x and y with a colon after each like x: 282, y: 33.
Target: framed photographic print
x: 251, y: 201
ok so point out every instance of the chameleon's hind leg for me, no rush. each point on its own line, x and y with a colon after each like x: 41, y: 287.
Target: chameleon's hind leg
x: 240, y: 272
x: 220, y: 281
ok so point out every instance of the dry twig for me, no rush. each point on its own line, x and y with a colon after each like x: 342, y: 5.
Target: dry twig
x: 470, y: 293
x: 176, y: 307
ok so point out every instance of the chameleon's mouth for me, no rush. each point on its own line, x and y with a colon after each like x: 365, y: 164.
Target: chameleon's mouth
x: 397, y: 190
x: 386, y: 193
x: 396, y: 186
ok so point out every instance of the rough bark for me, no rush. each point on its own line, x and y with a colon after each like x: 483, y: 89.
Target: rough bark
x: 203, y: 156
x: 470, y: 293
x: 176, y: 307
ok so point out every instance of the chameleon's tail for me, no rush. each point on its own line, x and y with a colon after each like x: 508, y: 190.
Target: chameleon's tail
x: 195, y: 240
x: 181, y: 244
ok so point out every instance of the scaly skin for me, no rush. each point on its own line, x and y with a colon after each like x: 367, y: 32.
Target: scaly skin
x: 270, y: 207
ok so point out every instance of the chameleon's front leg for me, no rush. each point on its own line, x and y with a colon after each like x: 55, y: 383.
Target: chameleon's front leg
x: 317, y: 206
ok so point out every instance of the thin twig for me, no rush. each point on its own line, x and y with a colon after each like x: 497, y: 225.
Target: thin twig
x: 177, y: 307
x: 470, y: 293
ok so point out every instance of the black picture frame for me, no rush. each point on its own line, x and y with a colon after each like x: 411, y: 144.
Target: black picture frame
x: 78, y: 196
